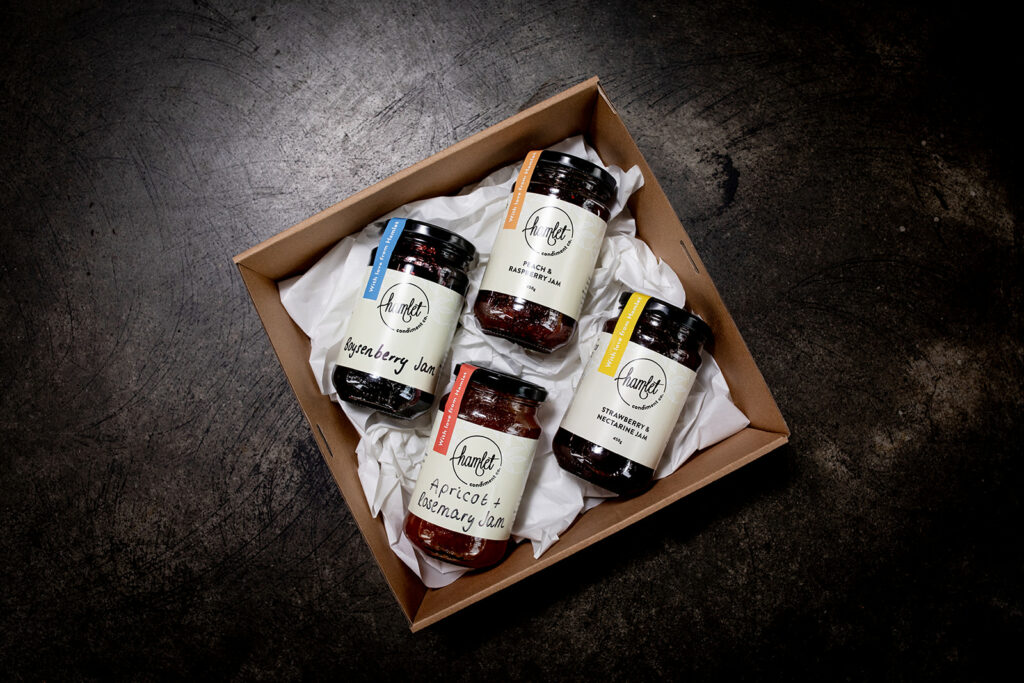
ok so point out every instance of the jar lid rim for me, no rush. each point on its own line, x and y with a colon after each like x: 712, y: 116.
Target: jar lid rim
x: 414, y: 228
x: 582, y: 165
x: 506, y: 384
x: 676, y: 314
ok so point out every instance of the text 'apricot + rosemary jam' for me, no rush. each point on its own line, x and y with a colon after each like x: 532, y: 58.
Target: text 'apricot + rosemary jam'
x: 475, y: 469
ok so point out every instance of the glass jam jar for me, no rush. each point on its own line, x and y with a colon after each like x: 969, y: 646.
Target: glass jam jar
x: 402, y: 326
x: 544, y: 254
x: 475, y: 468
x: 631, y: 394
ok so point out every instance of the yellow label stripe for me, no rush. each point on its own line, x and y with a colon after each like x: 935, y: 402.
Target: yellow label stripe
x: 623, y: 331
x: 519, y: 195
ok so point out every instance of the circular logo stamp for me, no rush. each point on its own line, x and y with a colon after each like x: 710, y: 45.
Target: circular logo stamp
x: 641, y: 383
x: 476, y: 460
x: 548, y: 231
x: 404, y: 307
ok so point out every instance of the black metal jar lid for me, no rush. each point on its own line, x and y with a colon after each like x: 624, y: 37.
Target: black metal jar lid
x: 582, y: 165
x: 506, y: 384
x: 430, y: 232
x: 675, y: 314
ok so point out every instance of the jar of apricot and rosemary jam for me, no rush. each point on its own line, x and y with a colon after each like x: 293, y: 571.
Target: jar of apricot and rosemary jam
x: 475, y: 468
x: 631, y: 394
x: 545, y: 251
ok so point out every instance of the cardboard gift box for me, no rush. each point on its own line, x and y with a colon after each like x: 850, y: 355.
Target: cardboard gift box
x: 583, y: 109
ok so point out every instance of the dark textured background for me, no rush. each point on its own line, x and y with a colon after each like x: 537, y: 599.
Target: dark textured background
x: 849, y: 173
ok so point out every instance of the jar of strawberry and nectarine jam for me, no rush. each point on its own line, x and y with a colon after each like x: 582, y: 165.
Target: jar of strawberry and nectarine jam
x: 631, y: 394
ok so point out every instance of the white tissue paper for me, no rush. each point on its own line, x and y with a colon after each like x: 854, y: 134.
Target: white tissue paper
x: 390, y: 451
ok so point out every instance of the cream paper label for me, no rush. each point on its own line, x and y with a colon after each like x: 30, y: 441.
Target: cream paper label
x: 633, y: 412
x: 475, y: 488
x: 549, y: 256
x: 403, y: 334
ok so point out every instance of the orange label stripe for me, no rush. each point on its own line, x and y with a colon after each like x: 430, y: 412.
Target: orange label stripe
x: 451, y: 410
x: 519, y: 194
x: 623, y: 331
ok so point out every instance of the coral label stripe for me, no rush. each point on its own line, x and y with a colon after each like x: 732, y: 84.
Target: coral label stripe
x: 623, y: 331
x: 519, y: 194
x: 451, y: 411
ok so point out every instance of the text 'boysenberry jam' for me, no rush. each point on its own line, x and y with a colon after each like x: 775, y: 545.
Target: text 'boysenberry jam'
x: 404, y: 320
x: 475, y: 469
x: 631, y: 394
x: 545, y: 251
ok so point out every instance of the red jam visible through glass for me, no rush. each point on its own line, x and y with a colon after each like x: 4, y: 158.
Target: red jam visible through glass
x: 666, y: 335
x: 530, y: 324
x: 497, y: 410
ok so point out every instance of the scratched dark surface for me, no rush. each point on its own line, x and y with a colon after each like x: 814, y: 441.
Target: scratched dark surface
x: 849, y: 173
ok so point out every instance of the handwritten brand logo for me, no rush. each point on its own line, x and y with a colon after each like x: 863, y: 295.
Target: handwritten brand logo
x: 404, y: 307
x: 548, y: 231
x: 641, y: 383
x: 476, y: 460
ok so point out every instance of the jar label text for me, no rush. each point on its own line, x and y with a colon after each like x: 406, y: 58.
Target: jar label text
x: 388, y: 240
x: 404, y: 333
x: 550, y: 255
x: 633, y: 411
x: 475, y: 488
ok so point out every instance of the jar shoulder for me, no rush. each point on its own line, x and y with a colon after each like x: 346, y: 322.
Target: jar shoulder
x: 672, y: 341
x: 500, y: 413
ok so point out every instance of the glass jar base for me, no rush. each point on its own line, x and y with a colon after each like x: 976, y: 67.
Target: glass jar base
x: 450, y: 546
x: 530, y: 325
x: 600, y: 466
x: 379, y: 393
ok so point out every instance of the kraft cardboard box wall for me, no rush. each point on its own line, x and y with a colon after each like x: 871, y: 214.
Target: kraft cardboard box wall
x: 584, y: 109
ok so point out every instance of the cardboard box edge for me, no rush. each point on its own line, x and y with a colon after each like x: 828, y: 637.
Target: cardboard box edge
x: 249, y: 278
x: 247, y: 256
x: 553, y: 556
x: 777, y: 422
x: 242, y: 260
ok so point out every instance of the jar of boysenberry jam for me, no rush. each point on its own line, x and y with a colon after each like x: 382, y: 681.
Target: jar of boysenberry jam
x: 544, y: 254
x: 631, y: 394
x: 402, y: 326
x: 475, y: 468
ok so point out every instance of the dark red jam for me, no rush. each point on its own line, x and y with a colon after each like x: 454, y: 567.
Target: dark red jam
x: 676, y: 335
x: 473, y: 500
x: 430, y: 254
x: 518, y: 317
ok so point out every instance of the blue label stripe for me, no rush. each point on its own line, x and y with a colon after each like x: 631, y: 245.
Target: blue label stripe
x: 380, y: 264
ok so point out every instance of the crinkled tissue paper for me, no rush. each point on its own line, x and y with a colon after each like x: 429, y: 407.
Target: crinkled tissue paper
x: 390, y: 450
